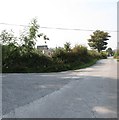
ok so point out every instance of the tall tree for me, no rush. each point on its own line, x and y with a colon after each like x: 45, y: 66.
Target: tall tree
x: 110, y: 51
x: 98, y: 40
x: 29, y: 38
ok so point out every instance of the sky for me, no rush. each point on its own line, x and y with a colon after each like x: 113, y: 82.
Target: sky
x: 73, y: 14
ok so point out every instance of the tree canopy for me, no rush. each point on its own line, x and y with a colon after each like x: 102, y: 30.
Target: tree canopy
x: 110, y: 51
x: 98, y: 40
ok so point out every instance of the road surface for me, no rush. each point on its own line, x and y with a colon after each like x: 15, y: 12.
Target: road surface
x: 84, y: 93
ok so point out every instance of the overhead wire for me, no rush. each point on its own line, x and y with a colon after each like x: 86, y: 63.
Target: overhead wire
x: 58, y: 28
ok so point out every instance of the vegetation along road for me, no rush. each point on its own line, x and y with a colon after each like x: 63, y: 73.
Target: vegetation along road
x: 84, y: 93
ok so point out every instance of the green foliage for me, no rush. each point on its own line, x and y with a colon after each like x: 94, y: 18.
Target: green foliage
x: 29, y: 39
x: 61, y: 60
x: 67, y: 46
x: 98, y: 40
x: 103, y: 55
x: 79, y: 49
x: 29, y: 62
x: 116, y: 54
x: 7, y: 37
x: 110, y: 52
x: 33, y: 29
x: 21, y: 57
x: 24, y: 57
x: 78, y: 57
x: 94, y: 54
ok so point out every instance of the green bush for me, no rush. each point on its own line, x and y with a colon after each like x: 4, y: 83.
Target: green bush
x: 14, y: 61
x: 103, y: 55
x: 18, y: 60
x: 116, y: 54
x: 78, y: 57
x: 94, y: 54
x: 79, y: 49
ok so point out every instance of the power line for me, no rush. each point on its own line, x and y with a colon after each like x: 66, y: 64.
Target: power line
x: 66, y: 29
x: 76, y: 29
x: 13, y: 24
x: 58, y: 28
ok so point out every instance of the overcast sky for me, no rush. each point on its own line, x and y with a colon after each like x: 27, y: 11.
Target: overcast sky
x: 80, y: 14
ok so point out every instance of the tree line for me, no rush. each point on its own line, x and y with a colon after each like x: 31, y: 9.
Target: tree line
x: 20, y: 54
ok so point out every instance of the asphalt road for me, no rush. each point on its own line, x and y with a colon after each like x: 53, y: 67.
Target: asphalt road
x: 84, y: 93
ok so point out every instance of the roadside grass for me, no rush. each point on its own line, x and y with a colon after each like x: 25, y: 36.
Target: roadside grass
x: 87, y: 64
x: 52, y: 68
x: 66, y: 67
